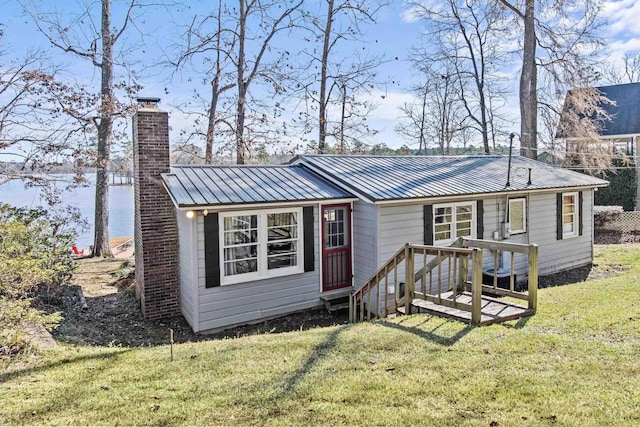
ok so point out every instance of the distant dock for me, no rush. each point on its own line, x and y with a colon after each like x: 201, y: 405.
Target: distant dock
x: 122, y: 247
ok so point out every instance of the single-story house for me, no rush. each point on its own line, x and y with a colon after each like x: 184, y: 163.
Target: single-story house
x: 252, y: 242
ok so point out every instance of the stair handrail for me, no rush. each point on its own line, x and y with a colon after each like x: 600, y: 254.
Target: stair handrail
x: 458, y: 243
x: 358, y: 294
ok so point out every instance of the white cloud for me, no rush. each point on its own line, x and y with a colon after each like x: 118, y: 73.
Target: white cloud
x: 623, y: 17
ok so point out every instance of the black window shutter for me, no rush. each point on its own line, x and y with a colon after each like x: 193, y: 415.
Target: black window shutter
x: 559, y: 216
x: 307, y: 221
x: 480, y: 219
x: 580, y: 213
x: 428, y: 224
x: 212, y: 250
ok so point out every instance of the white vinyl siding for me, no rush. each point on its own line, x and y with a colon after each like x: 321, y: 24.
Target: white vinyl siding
x: 556, y: 255
x: 365, y: 241
x: 188, y: 262
x: 257, y: 299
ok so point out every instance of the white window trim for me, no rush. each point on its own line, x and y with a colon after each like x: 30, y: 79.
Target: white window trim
x: 263, y: 272
x: 576, y: 216
x: 522, y: 200
x: 453, y: 206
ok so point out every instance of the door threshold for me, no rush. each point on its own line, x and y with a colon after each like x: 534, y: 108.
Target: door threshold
x: 336, y: 293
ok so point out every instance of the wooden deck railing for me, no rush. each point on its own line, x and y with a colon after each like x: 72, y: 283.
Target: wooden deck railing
x: 531, y: 250
x: 450, y: 269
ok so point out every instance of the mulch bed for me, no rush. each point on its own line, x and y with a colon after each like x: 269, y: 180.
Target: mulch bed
x: 116, y: 319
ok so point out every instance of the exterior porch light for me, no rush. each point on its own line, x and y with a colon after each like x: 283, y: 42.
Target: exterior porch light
x: 205, y: 212
x: 190, y: 214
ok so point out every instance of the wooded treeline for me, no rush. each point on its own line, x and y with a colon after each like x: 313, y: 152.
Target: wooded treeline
x: 278, y: 77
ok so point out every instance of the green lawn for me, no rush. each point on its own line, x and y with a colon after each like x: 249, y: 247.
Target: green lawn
x: 577, y: 362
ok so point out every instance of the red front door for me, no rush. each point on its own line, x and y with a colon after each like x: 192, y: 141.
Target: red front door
x: 336, y: 247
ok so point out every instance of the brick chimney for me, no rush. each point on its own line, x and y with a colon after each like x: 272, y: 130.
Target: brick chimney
x: 156, y: 230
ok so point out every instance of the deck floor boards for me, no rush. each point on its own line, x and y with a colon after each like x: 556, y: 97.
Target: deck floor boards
x: 493, y: 310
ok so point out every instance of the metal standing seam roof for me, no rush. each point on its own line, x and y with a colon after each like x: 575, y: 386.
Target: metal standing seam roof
x: 379, y: 178
x: 208, y: 185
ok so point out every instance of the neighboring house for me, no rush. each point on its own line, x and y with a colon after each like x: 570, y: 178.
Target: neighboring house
x: 247, y: 243
x: 622, y: 132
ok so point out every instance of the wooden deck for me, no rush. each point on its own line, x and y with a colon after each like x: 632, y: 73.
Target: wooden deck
x: 493, y: 310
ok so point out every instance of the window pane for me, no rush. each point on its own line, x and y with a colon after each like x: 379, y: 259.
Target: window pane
x: 240, y: 252
x: 240, y: 267
x: 240, y: 229
x: 516, y: 215
x: 281, y: 261
x: 442, y: 228
x: 283, y: 254
x: 442, y: 236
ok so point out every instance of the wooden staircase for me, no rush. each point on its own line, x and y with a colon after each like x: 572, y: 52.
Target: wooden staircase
x: 449, y: 284
x: 338, y: 299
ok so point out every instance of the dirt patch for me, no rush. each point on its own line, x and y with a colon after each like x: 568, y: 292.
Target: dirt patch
x: 608, y: 237
x: 113, y: 315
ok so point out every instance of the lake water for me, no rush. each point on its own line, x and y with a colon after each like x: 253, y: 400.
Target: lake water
x: 121, y: 206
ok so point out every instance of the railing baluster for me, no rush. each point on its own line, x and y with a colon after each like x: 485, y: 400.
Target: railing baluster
x: 362, y: 308
x: 424, y: 274
x: 386, y: 290
x: 439, y: 274
x: 496, y: 267
x: 476, y: 287
x: 455, y: 276
x: 431, y: 282
x: 513, y: 269
x: 369, y: 301
x: 395, y: 286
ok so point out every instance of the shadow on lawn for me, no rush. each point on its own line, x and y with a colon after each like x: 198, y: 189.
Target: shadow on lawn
x: 111, y: 356
x: 431, y: 335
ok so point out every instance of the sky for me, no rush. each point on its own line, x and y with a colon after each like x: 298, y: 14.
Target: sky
x: 394, y: 34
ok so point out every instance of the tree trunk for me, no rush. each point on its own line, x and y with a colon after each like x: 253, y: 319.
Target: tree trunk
x: 342, y: 117
x: 528, y: 87
x: 242, y: 88
x: 211, y: 126
x: 101, y: 245
x: 423, y: 118
x: 322, y: 124
x: 215, y: 93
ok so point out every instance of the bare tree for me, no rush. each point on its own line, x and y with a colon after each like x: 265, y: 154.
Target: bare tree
x: 342, y: 79
x: 43, y: 121
x: 237, y: 46
x: 566, y: 32
x: 629, y: 73
x: 80, y: 35
x: 438, y: 115
x: 465, y: 37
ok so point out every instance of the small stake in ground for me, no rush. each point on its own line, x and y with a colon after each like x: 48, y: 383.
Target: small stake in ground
x: 171, y: 342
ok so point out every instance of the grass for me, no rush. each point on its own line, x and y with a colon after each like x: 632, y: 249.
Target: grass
x: 577, y: 362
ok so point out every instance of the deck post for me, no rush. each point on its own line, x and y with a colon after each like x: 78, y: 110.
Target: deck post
x: 352, y: 317
x: 533, y: 276
x: 409, y: 278
x: 476, y: 286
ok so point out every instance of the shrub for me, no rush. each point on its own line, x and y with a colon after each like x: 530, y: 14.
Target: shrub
x: 35, y: 256
x: 604, y: 214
